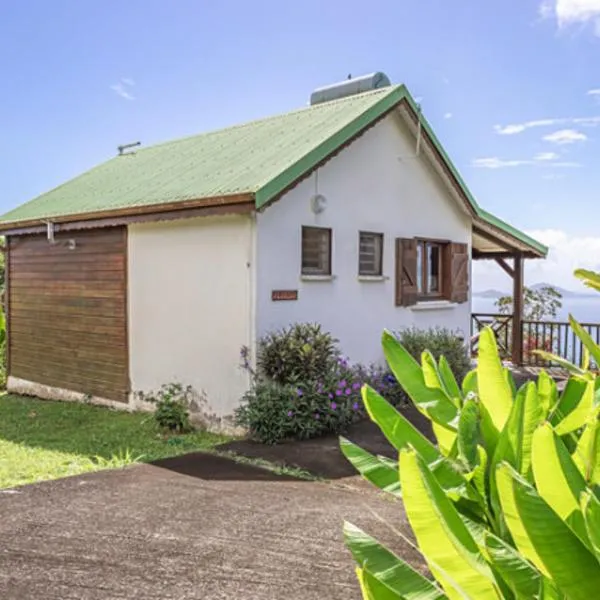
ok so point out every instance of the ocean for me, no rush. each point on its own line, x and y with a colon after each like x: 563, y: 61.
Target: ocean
x: 585, y: 310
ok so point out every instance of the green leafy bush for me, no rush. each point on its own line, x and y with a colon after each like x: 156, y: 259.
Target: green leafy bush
x: 505, y: 505
x: 172, y: 407
x: 302, y: 352
x: 440, y: 342
x: 308, y: 391
x: 273, y: 411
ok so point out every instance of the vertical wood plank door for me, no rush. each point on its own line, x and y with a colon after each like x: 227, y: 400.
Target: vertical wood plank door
x: 67, y: 311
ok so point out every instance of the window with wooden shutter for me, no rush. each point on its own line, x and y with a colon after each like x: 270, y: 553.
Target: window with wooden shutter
x: 370, y: 253
x: 406, y: 272
x: 458, y: 265
x: 431, y: 270
x: 316, y: 251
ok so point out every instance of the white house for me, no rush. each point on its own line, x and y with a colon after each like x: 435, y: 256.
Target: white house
x: 162, y: 263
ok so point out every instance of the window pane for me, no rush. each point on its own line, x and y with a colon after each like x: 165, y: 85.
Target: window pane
x: 316, y: 251
x: 370, y: 253
x: 420, y: 268
x: 433, y: 268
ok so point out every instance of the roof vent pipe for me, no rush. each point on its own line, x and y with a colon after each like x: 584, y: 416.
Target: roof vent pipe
x: 350, y: 87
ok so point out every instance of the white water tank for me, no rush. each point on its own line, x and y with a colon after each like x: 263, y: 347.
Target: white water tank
x: 350, y: 87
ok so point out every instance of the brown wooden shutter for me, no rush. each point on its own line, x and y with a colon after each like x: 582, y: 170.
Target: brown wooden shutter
x: 457, y: 281
x: 406, y: 272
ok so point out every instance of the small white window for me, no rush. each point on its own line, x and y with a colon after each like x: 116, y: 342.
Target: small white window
x: 316, y: 251
x: 370, y: 254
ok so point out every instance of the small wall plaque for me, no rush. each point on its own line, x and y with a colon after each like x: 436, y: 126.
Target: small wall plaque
x: 284, y: 295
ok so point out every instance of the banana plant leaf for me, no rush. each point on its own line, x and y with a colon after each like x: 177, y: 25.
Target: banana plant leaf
x: 590, y: 507
x: 442, y: 536
x: 544, y: 539
x: 495, y: 392
x: 589, y: 278
x: 587, y: 452
x: 558, y: 480
x: 433, y: 402
x: 387, y: 568
x: 373, y: 468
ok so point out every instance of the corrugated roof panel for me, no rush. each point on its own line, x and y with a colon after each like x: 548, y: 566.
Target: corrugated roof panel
x: 239, y: 159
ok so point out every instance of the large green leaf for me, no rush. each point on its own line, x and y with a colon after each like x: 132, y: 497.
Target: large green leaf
x: 586, y: 339
x: 373, y: 589
x: 449, y: 380
x: 515, y: 442
x: 379, y: 470
x: 561, y: 362
x: 469, y: 384
x: 569, y: 399
x: 521, y: 576
x: 590, y: 507
x: 547, y: 392
x: 558, y: 479
x: 590, y: 278
x: 433, y: 401
x: 580, y: 414
x: 390, y: 570
x: 587, y: 452
x: 443, y: 538
x: 495, y: 392
x: 544, y: 539
x: 402, y: 434
x: 371, y: 467
x: 468, y: 433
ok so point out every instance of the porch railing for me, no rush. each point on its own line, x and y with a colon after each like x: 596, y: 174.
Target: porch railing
x: 556, y: 337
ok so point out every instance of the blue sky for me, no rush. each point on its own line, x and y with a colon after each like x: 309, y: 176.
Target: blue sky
x: 507, y: 85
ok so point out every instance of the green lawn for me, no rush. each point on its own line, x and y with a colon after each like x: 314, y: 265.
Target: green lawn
x: 42, y: 440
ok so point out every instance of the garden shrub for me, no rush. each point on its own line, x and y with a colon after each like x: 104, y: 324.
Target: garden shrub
x: 440, y: 342
x: 172, y: 407
x: 307, y: 391
x: 302, y: 352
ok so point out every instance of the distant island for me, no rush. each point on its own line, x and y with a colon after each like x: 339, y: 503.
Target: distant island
x: 495, y: 294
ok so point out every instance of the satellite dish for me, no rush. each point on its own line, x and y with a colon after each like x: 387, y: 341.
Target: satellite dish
x: 318, y: 203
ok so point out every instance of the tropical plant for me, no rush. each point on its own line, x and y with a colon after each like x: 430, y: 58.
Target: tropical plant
x: 504, y: 507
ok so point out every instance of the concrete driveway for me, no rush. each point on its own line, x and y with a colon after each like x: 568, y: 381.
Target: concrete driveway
x: 193, y: 527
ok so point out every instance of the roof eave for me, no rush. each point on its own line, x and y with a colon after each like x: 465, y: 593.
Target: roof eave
x: 235, y: 203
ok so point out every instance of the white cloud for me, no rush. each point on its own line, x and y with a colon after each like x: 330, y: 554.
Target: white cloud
x: 565, y: 136
x: 572, y: 12
x: 448, y: 115
x: 122, y: 88
x: 493, y: 162
x: 595, y: 92
x: 543, y: 159
x: 520, y: 127
x: 515, y: 128
x: 566, y: 253
x: 546, y: 156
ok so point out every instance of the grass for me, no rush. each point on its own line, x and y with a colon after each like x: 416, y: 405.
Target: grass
x: 41, y: 440
x: 261, y: 463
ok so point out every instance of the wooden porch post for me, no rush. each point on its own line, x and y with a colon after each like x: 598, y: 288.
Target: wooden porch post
x: 517, y: 328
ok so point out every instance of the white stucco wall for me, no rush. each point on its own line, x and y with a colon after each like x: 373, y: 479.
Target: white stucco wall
x: 190, y: 307
x: 370, y: 188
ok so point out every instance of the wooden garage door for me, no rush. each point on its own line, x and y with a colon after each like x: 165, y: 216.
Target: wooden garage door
x: 68, y: 311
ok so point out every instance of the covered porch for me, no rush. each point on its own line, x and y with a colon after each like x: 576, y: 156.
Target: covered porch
x: 495, y: 240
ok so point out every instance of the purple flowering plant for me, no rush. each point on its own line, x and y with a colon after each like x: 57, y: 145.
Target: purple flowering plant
x: 303, y: 387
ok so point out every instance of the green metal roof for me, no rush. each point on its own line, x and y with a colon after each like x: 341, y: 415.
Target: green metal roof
x: 261, y: 158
